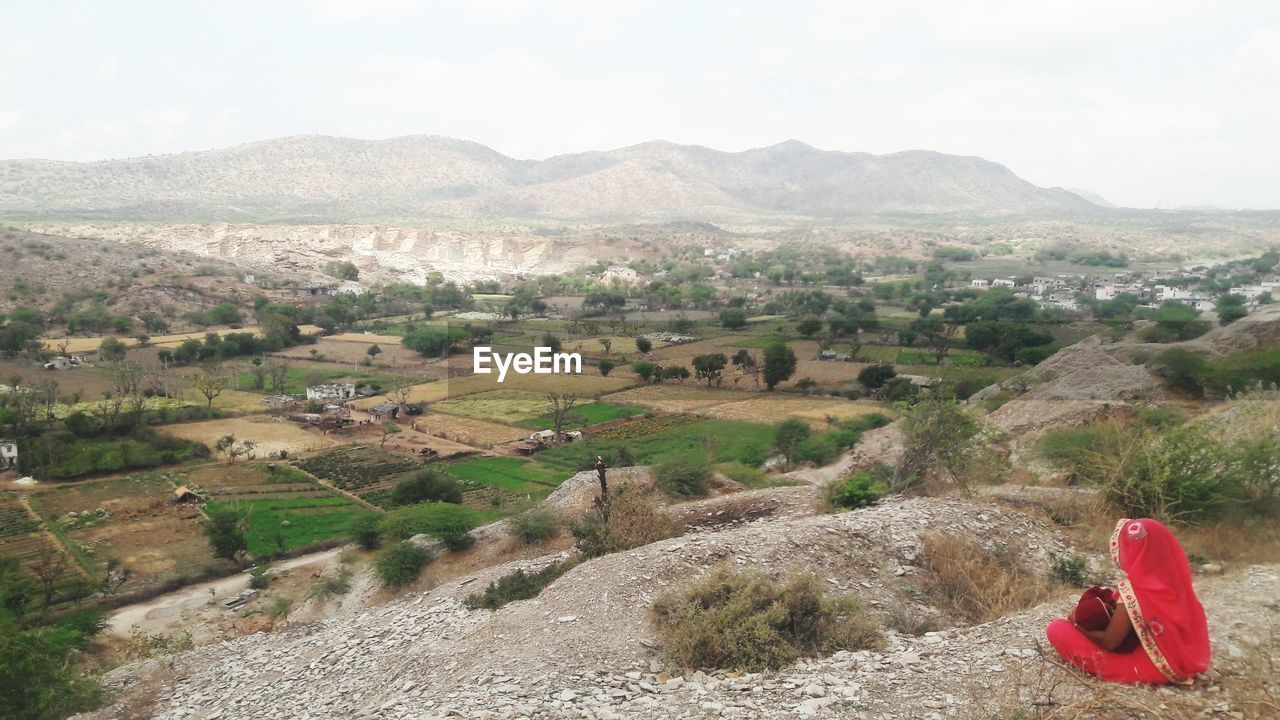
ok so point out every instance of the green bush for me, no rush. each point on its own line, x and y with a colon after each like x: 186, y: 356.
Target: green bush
x: 534, y: 526
x: 259, y: 577
x: 745, y: 621
x: 745, y: 475
x: 1069, y: 569
x: 427, y: 486
x: 855, y: 491
x: 401, y: 564
x: 518, y: 585
x: 439, y: 520
x: 366, y: 531
x: 683, y: 478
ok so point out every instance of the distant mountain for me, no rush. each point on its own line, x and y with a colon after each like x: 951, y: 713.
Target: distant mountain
x: 310, y: 178
x: 1092, y: 197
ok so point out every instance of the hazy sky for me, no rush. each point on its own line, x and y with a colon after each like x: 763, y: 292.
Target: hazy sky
x: 1147, y: 103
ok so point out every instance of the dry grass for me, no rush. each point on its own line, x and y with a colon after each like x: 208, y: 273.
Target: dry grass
x: 975, y: 584
x: 270, y: 436
x: 678, y: 398
x: 585, y: 386
x: 368, y: 339
x: 468, y: 431
x: 78, y: 345
x: 772, y: 408
x: 501, y: 405
x: 618, y: 346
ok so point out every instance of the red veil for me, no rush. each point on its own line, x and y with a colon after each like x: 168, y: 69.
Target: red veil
x: 1157, y: 592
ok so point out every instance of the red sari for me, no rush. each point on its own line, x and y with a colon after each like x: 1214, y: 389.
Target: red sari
x: 1169, y: 621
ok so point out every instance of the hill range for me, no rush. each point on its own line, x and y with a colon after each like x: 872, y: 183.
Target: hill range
x: 330, y: 179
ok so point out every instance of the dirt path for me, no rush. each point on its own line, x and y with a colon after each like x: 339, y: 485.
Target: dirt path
x: 155, y: 614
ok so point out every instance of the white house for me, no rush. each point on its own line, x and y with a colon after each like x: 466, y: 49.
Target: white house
x: 8, y: 454
x: 978, y: 283
x: 331, y: 391
x: 1003, y: 282
x: 620, y: 273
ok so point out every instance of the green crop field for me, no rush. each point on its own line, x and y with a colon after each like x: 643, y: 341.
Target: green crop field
x: 722, y: 440
x: 292, y: 522
x: 518, y: 475
x: 510, y: 406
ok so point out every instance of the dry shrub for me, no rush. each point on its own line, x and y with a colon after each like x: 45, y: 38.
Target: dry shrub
x: 633, y: 520
x: 1246, y: 542
x: 911, y: 619
x: 745, y: 620
x: 976, y: 584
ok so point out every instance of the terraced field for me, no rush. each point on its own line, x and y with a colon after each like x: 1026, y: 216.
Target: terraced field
x: 360, y: 469
x: 280, y: 524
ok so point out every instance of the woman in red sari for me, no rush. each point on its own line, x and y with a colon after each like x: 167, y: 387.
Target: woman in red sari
x: 1157, y: 633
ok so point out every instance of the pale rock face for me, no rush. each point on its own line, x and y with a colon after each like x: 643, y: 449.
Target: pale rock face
x: 382, y: 253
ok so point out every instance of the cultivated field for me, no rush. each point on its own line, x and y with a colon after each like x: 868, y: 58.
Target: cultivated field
x: 769, y: 409
x: 677, y: 398
x: 468, y: 431
x: 583, y: 385
x: 272, y: 437
x: 508, y: 406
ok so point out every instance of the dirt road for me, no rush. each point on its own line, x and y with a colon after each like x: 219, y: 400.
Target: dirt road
x: 156, y: 614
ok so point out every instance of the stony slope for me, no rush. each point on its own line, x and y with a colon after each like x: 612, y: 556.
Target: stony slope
x: 310, y: 178
x: 585, y: 649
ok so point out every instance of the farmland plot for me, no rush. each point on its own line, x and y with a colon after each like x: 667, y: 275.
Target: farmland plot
x: 677, y: 398
x: 468, y: 431
x: 501, y: 405
x: 272, y: 437
x: 360, y: 468
x: 772, y: 408
x: 281, y: 524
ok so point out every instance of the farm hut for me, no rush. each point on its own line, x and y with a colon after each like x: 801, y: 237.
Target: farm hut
x: 184, y: 494
x: 384, y: 413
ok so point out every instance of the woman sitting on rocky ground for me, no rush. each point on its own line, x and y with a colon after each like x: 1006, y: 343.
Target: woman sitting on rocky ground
x: 1151, y: 629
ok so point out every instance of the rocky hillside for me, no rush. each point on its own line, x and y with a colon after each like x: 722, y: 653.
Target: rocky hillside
x: 312, y: 178
x: 585, y: 648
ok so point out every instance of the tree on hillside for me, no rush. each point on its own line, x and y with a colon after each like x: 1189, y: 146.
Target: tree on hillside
x: 373, y: 351
x: 937, y: 433
x: 1230, y: 309
x: 746, y: 364
x: 779, y: 363
x: 645, y: 370
x: 790, y: 435
x: 643, y: 344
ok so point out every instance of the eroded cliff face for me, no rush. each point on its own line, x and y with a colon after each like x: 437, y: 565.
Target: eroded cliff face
x: 383, y: 253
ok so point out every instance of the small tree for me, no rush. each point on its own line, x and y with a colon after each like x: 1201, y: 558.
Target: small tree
x: 225, y: 530
x: 607, y: 344
x: 809, y: 326
x: 875, y: 376
x: 210, y: 383
x: 606, y: 367
x: 278, y: 371
x: 789, y: 437
x: 683, y: 478
x: 388, y: 429
x: 779, y: 363
x: 936, y: 431
x: 645, y: 370
x: 373, y: 351
x: 401, y: 564
x: 112, y: 350
x: 560, y: 405
x: 734, y: 318
x: 426, y: 486
x: 710, y: 367
x: 365, y: 531
x: 643, y: 344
